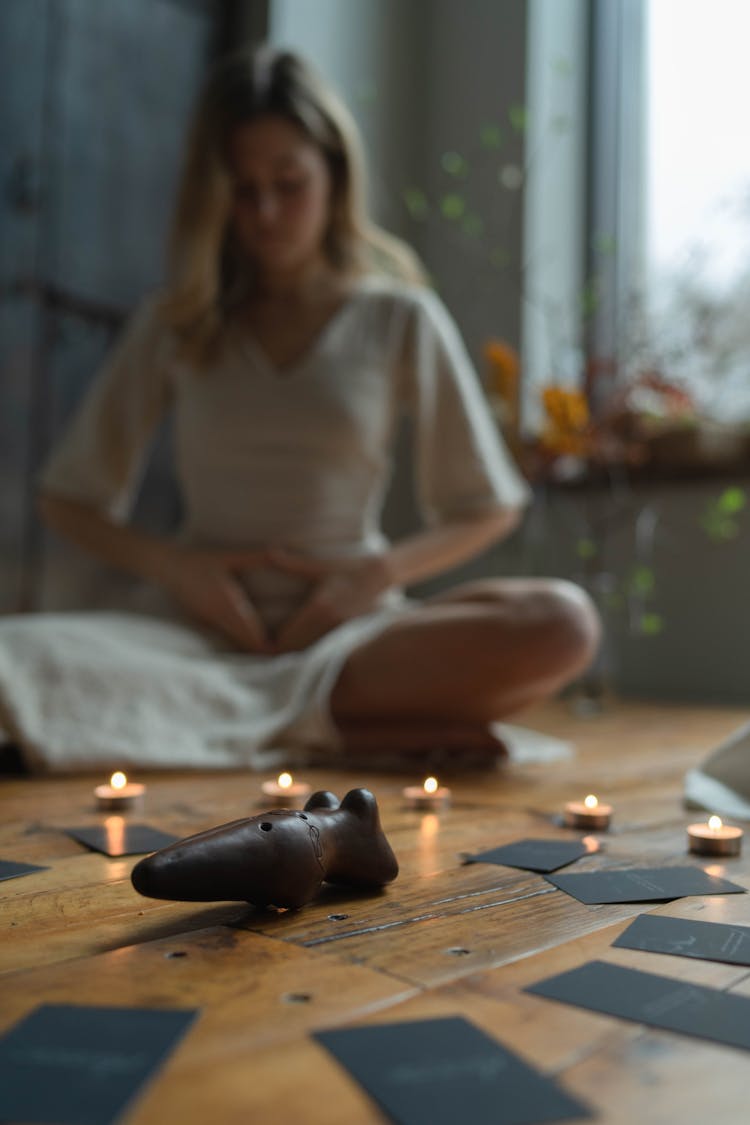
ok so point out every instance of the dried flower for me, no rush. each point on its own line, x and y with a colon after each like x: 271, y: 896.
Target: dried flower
x: 504, y: 368
x: 568, y: 426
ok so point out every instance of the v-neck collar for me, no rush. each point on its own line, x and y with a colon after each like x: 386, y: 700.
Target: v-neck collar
x: 285, y: 371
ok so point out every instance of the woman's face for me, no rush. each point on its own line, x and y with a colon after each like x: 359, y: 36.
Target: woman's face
x: 282, y: 190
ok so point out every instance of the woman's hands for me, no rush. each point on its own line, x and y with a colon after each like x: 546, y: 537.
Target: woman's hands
x: 342, y: 588
x: 205, y: 584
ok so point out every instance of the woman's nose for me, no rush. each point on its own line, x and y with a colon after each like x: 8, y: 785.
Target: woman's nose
x: 267, y: 206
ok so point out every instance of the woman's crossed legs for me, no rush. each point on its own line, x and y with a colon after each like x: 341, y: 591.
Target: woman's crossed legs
x: 438, y: 677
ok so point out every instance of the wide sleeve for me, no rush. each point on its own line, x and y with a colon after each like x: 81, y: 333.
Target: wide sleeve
x: 462, y: 466
x: 102, y: 454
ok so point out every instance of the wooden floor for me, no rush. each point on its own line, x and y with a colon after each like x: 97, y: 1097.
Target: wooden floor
x: 444, y: 939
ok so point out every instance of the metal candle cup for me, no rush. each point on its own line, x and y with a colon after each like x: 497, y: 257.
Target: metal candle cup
x: 588, y: 814
x: 714, y: 838
x: 120, y: 795
x: 285, y: 792
x: 429, y: 797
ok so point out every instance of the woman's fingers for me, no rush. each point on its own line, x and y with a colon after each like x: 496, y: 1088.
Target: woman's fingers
x: 315, y: 618
x: 298, y: 564
x: 244, y: 560
x: 241, y: 622
x: 344, y: 589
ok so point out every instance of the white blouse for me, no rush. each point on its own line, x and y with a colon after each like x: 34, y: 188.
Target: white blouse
x: 300, y: 457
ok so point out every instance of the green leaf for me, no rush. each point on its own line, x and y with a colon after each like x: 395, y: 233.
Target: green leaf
x: 643, y: 580
x: 416, y: 202
x: 718, y: 520
x: 473, y: 225
x: 453, y: 206
x: 586, y: 549
x: 499, y: 258
x: 614, y: 600
x: 491, y: 137
x: 518, y: 116
x: 589, y: 297
x: 651, y: 624
x: 455, y: 165
x: 731, y: 501
x: 726, y: 529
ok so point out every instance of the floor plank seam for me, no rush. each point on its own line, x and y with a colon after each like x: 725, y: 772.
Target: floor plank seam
x: 433, y: 916
x: 489, y: 891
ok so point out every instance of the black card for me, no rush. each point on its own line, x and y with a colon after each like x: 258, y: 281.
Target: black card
x: 11, y: 870
x: 673, y: 1005
x: 686, y: 937
x: 444, y: 1071
x: 537, y: 855
x: 81, y: 1065
x: 116, y: 837
x: 642, y: 884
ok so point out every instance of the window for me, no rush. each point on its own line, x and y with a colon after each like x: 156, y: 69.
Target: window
x: 698, y: 198
x: 662, y: 285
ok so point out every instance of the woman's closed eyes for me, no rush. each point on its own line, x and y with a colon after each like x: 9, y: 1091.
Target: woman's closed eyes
x: 249, y: 193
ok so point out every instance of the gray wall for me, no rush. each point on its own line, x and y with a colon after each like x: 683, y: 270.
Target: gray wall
x: 700, y: 601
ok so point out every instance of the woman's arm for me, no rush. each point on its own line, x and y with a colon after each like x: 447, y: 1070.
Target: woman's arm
x: 204, y: 582
x: 435, y: 550
x: 347, y: 587
x: 117, y: 545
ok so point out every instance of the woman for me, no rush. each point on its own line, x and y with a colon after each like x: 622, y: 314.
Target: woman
x: 290, y: 337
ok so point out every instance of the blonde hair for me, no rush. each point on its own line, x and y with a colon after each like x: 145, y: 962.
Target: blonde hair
x: 207, y: 276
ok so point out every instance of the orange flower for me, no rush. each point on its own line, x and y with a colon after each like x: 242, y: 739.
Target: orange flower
x: 503, y: 364
x: 567, y: 410
x: 568, y: 428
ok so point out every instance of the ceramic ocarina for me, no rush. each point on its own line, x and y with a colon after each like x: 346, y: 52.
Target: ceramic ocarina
x: 279, y: 858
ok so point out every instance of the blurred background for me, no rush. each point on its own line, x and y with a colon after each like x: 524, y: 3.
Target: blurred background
x: 575, y: 174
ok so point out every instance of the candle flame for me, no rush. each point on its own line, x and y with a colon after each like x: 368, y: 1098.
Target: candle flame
x: 591, y: 801
x: 715, y: 823
x: 118, y: 780
x: 285, y: 780
x: 431, y: 785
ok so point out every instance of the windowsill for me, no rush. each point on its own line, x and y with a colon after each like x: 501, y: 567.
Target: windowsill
x: 709, y: 451
x: 598, y: 475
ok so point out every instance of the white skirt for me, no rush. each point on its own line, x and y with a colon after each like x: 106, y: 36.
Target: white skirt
x: 83, y: 690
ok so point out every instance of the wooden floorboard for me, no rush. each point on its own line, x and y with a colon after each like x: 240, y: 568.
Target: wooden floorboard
x: 446, y: 938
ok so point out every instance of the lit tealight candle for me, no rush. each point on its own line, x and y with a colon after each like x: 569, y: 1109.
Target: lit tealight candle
x: 285, y: 792
x: 714, y: 838
x: 588, y: 813
x: 430, y: 797
x: 120, y: 795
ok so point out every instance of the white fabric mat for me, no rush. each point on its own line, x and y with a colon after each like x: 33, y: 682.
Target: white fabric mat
x: 722, y: 783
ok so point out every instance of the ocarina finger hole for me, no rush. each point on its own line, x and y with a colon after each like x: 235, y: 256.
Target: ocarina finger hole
x: 266, y: 827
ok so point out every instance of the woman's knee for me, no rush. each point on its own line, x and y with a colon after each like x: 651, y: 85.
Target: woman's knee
x: 568, y: 624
